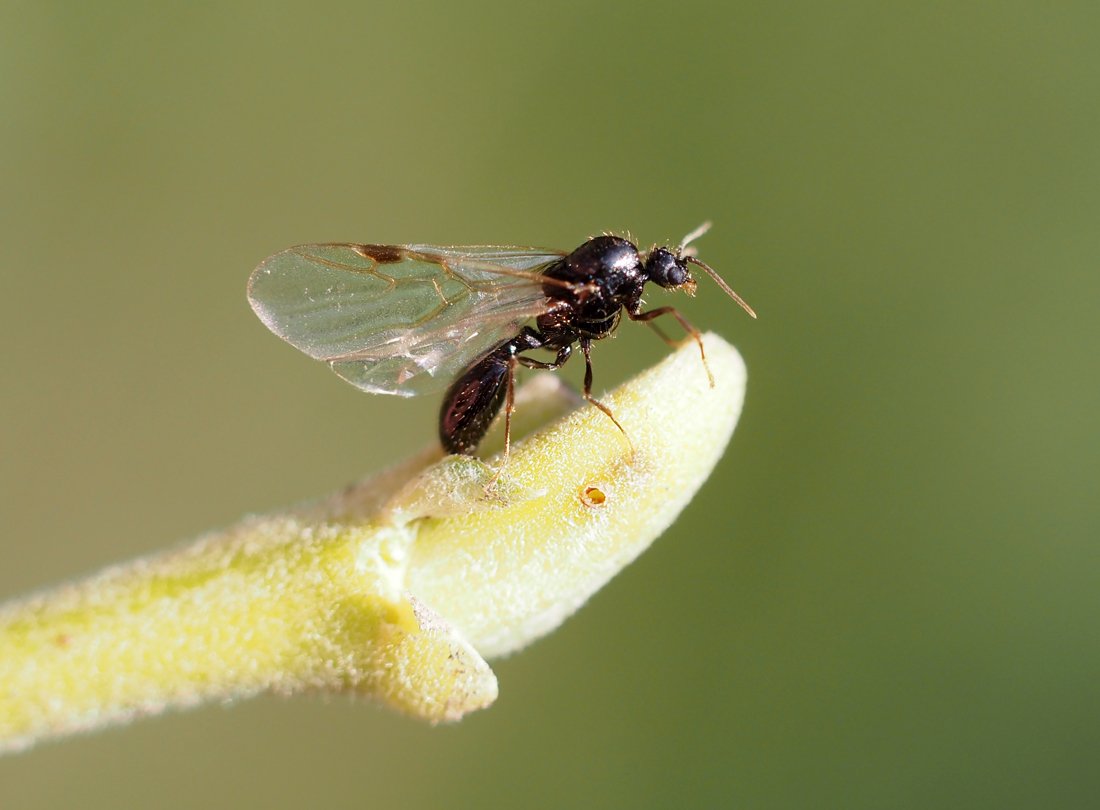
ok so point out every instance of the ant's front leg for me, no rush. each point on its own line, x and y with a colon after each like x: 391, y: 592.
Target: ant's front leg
x: 648, y: 317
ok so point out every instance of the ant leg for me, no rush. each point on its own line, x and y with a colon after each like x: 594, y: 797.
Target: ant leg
x: 661, y: 333
x: 564, y: 353
x: 586, y: 347
x: 510, y: 400
x: 509, y: 406
x: 647, y: 317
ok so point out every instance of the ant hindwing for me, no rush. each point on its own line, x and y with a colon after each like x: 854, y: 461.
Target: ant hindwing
x: 405, y: 319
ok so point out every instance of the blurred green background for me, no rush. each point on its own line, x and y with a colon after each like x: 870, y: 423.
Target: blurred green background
x: 886, y: 596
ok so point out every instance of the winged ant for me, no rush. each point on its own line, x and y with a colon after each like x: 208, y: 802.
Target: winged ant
x: 404, y: 319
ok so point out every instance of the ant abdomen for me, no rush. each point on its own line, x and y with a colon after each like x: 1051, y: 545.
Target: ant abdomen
x: 473, y: 399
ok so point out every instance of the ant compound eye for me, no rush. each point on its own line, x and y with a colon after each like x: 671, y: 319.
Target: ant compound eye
x: 666, y: 269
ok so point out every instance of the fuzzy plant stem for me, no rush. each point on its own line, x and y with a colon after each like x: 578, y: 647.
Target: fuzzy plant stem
x: 397, y: 588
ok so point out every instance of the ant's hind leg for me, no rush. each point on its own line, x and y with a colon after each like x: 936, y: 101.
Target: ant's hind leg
x: 510, y: 397
x: 509, y: 406
x: 586, y: 347
x: 647, y: 318
x: 564, y: 353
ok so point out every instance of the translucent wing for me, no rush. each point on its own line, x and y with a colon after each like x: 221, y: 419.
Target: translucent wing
x: 398, y: 319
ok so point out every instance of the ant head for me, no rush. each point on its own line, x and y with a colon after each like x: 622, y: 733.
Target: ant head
x: 668, y: 270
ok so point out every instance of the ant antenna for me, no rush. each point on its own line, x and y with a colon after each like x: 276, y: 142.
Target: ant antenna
x: 718, y: 279
x: 683, y: 250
